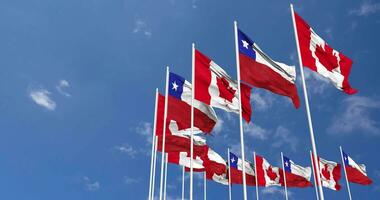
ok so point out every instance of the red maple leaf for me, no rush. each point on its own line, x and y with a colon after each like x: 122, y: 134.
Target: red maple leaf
x: 225, y: 90
x: 272, y: 175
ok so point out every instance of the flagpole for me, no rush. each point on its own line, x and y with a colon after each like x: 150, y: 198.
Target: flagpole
x: 240, y: 110
x: 192, y: 119
x: 345, y: 172
x: 154, y: 166
x: 164, y: 133
x: 256, y: 181
x: 166, y: 174
x: 183, y: 182
x: 286, y: 189
x: 153, y: 147
x: 314, y: 148
x: 229, y: 174
x: 315, y: 175
x: 204, y: 186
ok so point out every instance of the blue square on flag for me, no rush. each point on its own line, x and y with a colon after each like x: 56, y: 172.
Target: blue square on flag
x: 345, y: 158
x: 287, y: 164
x: 233, y: 160
x: 175, y: 85
x: 246, y: 45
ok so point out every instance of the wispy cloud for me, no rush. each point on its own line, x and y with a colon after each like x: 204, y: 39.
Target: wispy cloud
x: 283, y: 137
x: 366, y: 8
x: 256, y: 131
x: 194, y: 4
x: 355, y: 115
x: 42, y: 98
x: 145, y: 129
x: 127, y: 149
x: 130, y: 180
x: 91, y: 185
x: 62, y: 85
x: 261, y: 100
x: 142, y: 28
x: 316, y: 84
x: 275, y: 191
x: 218, y: 126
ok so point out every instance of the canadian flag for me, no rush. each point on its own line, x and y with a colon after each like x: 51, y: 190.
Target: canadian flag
x: 329, y: 173
x: 216, y: 88
x: 356, y: 173
x: 267, y: 175
x: 320, y: 57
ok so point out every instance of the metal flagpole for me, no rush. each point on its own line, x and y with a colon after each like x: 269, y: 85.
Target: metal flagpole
x: 166, y: 174
x: 314, y: 148
x: 257, y: 183
x: 153, y: 146
x: 204, y: 186
x: 154, y: 166
x: 164, y: 133
x: 192, y: 120
x: 229, y: 174
x: 286, y: 189
x: 345, y: 172
x: 240, y: 110
x: 315, y: 175
x: 183, y: 182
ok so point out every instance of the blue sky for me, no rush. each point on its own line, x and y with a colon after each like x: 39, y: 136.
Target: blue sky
x: 77, y: 88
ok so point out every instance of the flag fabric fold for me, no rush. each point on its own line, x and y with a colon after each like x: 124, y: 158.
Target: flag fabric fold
x: 259, y: 70
x: 296, y: 175
x: 318, y: 56
x: 214, y: 87
x: 329, y: 173
x: 236, y: 167
x: 356, y: 173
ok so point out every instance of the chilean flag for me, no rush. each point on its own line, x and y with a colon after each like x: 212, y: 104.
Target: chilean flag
x: 267, y: 175
x: 318, y: 56
x: 214, y: 87
x: 356, y: 173
x: 179, y: 108
x: 259, y: 70
x: 236, y: 170
x: 296, y: 176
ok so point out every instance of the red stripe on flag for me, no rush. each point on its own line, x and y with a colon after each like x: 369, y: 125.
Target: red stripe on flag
x: 202, y: 78
x: 355, y: 176
x: 262, y: 76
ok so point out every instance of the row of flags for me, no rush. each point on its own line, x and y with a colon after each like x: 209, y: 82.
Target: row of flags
x: 187, y: 110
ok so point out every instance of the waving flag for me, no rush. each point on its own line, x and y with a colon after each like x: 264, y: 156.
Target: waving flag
x: 267, y: 175
x: 329, y: 173
x: 214, y: 87
x: 259, y: 70
x: 320, y: 57
x: 179, y: 109
x: 356, y: 173
x: 236, y: 167
x: 183, y: 159
x: 296, y: 175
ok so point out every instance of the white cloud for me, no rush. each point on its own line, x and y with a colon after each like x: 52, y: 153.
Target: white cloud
x: 262, y: 100
x: 194, y: 4
x: 256, y: 131
x: 275, y: 191
x: 41, y: 97
x: 145, y: 129
x: 366, y: 8
x: 129, y: 180
x: 316, y: 84
x: 356, y: 116
x: 62, y: 84
x: 283, y: 137
x: 91, y: 185
x: 127, y: 149
x: 218, y: 126
x: 142, y: 27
